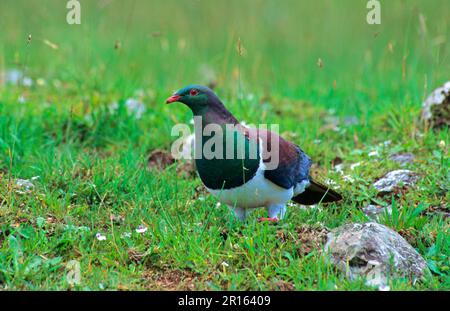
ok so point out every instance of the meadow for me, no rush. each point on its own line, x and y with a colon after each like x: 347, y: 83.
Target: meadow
x: 76, y: 189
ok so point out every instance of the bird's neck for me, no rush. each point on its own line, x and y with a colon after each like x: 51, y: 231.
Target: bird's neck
x: 216, y: 113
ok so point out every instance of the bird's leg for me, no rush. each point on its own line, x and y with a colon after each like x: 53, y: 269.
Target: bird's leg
x: 239, y: 212
x: 276, y: 212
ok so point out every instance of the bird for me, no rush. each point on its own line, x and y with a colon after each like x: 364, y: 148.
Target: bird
x: 242, y: 179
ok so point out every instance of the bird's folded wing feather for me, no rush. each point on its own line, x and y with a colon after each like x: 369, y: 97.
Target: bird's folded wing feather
x: 293, y: 164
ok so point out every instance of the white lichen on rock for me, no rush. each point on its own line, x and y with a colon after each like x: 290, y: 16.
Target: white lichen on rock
x: 436, y: 108
x: 395, y: 178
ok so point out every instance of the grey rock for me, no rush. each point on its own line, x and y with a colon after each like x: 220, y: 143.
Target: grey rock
x: 402, y: 158
x: 373, y: 251
x: 373, y: 211
x: 436, y: 108
x: 395, y: 178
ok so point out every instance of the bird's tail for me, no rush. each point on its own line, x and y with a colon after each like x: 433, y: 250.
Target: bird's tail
x: 317, y: 193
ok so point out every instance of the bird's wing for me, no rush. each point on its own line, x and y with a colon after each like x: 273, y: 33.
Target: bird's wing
x: 293, y: 168
x: 293, y: 164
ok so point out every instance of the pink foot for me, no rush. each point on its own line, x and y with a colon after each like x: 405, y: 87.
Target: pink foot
x: 273, y: 220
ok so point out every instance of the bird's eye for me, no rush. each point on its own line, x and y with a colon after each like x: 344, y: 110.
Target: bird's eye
x: 193, y: 92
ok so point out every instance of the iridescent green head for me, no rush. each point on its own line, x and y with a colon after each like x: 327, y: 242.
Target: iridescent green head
x: 196, y: 97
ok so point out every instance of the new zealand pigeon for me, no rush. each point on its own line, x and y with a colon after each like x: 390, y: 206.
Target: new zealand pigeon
x: 236, y: 176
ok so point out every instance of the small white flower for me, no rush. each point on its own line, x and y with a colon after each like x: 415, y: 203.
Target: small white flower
x: 135, y: 107
x: 244, y: 124
x: 57, y: 83
x: 373, y: 153
x: 225, y: 264
x: 22, y: 99
x: 352, y: 167
x: 100, y: 237
x: 188, y: 146
x: 141, y: 229
x: 218, y: 204
x: 384, y: 288
x: 330, y: 182
x: 40, y: 82
x: 27, y: 81
x: 139, y: 93
x: 126, y: 235
x: 339, y: 168
x: 13, y: 76
x: 348, y: 178
x: 442, y: 144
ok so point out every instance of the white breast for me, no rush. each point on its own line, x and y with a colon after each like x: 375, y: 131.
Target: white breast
x: 257, y: 192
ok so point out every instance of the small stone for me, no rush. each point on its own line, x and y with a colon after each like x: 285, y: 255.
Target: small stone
x: 373, y: 211
x: 395, y: 178
x: 402, y: 158
x: 24, y: 186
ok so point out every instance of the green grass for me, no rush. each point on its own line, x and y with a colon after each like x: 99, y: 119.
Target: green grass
x: 91, y: 161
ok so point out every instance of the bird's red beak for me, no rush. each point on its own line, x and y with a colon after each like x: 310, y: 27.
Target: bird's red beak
x: 173, y: 98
